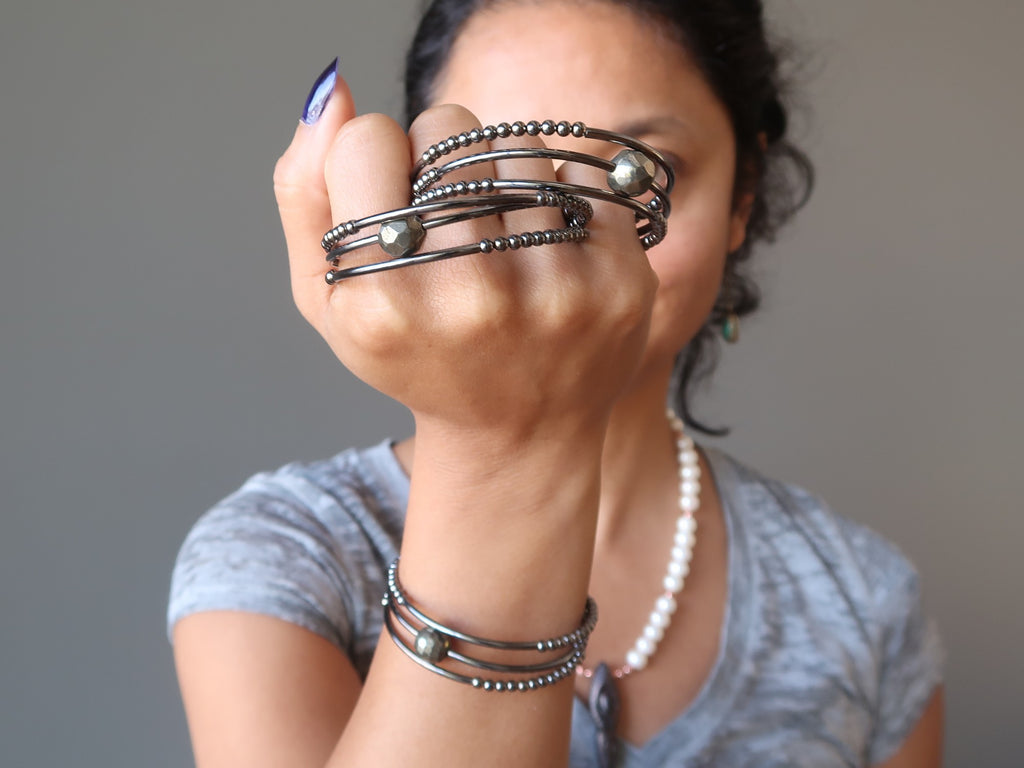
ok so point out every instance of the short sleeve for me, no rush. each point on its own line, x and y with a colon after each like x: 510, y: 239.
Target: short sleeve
x: 911, y: 669
x: 265, y: 550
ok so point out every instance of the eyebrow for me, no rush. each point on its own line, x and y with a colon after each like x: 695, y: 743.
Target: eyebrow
x: 657, y: 124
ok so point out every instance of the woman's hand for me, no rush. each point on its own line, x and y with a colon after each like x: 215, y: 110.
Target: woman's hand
x: 512, y: 341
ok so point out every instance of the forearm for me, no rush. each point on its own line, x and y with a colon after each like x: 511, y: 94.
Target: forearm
x: 498, y: 543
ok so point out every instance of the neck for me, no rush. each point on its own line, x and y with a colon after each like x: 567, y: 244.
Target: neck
x: 638, y: 473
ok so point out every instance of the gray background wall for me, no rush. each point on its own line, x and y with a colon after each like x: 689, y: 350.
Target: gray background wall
x: 152, y: 359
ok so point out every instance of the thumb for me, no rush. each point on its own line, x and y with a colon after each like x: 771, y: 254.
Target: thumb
x: 301, y: 190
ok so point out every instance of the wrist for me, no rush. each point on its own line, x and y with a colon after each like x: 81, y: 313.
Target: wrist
x: 499, y: 531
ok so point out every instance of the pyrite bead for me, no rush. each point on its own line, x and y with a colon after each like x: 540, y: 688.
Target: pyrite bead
x: 400, y: 237
x: 633, y: 173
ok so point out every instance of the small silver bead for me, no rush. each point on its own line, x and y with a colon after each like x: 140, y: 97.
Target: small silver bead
x: 500, y: 244
x: 579, y: 130
x: 563, y: 128
x: 547, y: 127
x: 532, y: 128
x: 488, y: 132
x: 518, y: 128
x: 521, y: 685
x: 486, y: 246
x: 503, y: 130
x: 475, y: 135
x: 464, y: 140
x: 498, y: 685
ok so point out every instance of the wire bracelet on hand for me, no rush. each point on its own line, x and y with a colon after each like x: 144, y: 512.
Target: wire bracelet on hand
x: 635, y: 171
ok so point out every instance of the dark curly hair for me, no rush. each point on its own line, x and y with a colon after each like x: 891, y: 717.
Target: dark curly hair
x: 728, y: 42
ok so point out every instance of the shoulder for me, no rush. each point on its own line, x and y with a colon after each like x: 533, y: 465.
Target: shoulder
x: 299, y: 543
x: 840, y: 615
x: 788, y: 521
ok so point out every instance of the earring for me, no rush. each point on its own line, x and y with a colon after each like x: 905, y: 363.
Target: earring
x: 731, y: 327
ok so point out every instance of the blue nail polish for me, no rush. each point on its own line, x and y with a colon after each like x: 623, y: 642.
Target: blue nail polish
x: 320, y: 94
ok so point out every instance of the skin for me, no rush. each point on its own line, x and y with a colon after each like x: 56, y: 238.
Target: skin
x: 537, y: 384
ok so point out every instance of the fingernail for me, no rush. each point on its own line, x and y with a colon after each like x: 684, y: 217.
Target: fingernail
x: 320, y: 94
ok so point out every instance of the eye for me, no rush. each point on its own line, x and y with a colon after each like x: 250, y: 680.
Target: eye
x: 674, y: 161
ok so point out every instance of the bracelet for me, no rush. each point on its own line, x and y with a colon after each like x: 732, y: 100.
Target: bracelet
x: 577, y: 212
x: 485, y: 684
x: 577, y: 636
x: 509, y: 242
x: 545, y: 128
x: 432, y: 644
x: 630, y: 172
x: 435, y: 646
x: 651, y: 233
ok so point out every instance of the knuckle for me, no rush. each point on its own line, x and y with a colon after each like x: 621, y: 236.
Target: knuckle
x: 287, y: 177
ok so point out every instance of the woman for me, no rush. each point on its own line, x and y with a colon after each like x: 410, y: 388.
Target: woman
x: 543, y: 469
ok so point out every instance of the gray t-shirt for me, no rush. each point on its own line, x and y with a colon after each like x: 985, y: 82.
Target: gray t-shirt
x: 826, y: 657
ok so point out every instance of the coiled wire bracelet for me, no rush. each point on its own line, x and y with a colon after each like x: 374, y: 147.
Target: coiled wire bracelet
x: 631, y: 173
x: 432, y: 644
x: 563, y: 128
x: 651, y: 233
x: 402, y: 230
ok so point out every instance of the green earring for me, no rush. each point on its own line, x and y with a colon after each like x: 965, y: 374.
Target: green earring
x: 731, y: 328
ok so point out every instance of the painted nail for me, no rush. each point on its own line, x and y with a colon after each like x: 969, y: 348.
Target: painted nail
x: 320, y: 94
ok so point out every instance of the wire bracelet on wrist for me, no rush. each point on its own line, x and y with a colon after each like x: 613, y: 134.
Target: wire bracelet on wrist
x: 432, y: 644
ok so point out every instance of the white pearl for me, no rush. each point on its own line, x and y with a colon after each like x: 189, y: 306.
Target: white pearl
x: 689, y: 456
x: 688, y: 503
x: 690, y: 472
x: 686, y: 523
x: 689, y: 488
x: 658, y: 619
x: 665, y: 604
x: 675, y: 568
x: 654, y: 634
x: 636, y: 661
x: 644, y: 646
x: 683, y: 539
x: 672, y: 583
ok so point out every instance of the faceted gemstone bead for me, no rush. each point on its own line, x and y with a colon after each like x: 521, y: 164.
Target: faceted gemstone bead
x: 633, y: 173
x: 431, y: 645
x: 401, y: 237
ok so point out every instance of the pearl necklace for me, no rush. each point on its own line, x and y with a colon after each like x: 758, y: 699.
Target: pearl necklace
x: 679, y: 559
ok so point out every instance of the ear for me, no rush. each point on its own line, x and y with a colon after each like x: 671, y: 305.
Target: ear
x: 741, y: 210
x: 743, y: 205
